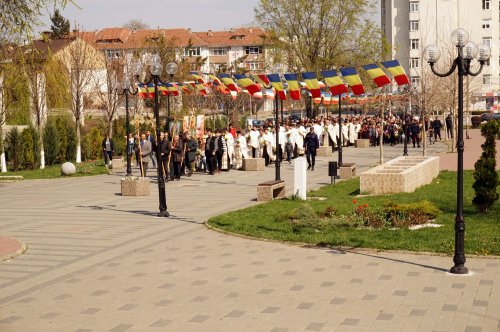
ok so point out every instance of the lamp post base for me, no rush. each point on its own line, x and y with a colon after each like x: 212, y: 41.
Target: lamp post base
x: 163, y: 214
x: 459, y: 269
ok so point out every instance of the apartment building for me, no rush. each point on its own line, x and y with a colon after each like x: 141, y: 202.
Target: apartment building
x: 411, y: 25
x: 220, y: 49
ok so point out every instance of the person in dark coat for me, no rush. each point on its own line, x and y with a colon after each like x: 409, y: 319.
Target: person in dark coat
x: 210, y: 152
x: 436, y: 127
x: 311, y: 144
x: 165, y: 153
x: 177, y: 152
x: 191, y: 147
x: 415, y: 133
x: 107, y: 148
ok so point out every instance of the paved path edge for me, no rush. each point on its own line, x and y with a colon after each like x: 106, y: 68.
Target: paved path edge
x: 346, y: 249
x: 23, y: 248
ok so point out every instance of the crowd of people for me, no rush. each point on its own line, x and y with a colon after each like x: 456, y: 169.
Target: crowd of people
x: 224, y: 149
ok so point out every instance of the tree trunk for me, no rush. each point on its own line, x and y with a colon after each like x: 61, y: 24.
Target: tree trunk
x: 423, y: 135
x: 78, y: 142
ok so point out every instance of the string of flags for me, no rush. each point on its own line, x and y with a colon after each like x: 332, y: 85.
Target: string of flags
x: 269, y: 85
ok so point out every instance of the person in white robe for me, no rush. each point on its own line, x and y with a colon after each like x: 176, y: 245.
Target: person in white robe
x: 230, y: 147
x: 242, y: 141
x: 352, y: 133
x: 255, y: 142
x: 345, y: 134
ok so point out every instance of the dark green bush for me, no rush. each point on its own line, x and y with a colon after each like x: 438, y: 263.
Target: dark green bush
x: 14, y: 148
x: 27, y: 154
x: 51, y: 142
x: 485, y: 174
x: 91, y: 145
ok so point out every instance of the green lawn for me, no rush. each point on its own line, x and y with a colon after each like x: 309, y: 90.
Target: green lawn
x: 51, y: 172
x: 267, y: 221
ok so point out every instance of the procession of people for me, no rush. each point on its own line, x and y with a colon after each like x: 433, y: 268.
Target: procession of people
x: 224, y: 149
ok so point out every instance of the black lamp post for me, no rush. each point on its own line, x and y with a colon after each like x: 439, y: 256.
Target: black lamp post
x: 156, y: 69
x: 127, y: 90
x: 405, y: 129
x: 467, y: 50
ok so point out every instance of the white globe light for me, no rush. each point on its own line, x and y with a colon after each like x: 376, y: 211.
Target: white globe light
x: 459, y: 37
x: 172, y: 68
x: 470, y: 50
x: 484, y: 52
x: 155, y: 65
x: 432, y: 54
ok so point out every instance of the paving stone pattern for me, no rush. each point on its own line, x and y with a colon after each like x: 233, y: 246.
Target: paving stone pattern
x: 97, y: 261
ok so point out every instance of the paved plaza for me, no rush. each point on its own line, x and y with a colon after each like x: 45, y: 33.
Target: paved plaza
x: 97, y: 261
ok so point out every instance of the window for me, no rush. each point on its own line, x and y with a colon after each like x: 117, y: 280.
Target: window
x: 486, y: 24
x: 253, y: 50
x: 414, y: 62
x: 192, y: 51
x: 254, y: 65
x: 218, y: 50
x: 413, y: 7
x: 487, y: 41
x: 413, y: 25
x: 114, y: 54
x: 487, y: 79
x: 486, y: 4
x: 414, y: 44
x: 415, y: 80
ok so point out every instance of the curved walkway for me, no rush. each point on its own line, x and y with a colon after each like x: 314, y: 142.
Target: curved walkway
x: 101, y: 262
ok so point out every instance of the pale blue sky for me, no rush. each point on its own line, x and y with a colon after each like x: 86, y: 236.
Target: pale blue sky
x: 199, y: 15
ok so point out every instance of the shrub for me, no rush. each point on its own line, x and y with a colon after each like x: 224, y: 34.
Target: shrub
x: 35, y: 135
x: 485, y: 174
x: 28, y: 157
x: 14, y: 148
x: 71, y: 147
x: 404, y: 215
x: 91, y: 145
x: 61, y: 126
x: 119, y: 134
x: 51, y: 142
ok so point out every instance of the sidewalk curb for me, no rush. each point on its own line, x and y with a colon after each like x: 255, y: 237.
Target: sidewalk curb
x: 16, y: 253
x: 346, y: 249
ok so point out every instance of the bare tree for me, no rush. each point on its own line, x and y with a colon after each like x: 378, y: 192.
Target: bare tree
x: 82, y: 61
x: 105, y: 96
x: 136, y: 24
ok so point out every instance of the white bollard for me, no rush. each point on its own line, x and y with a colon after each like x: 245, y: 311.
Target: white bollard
x: 300, y: 178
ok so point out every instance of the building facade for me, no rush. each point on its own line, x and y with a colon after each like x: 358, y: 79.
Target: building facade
x: 410, y: 25
x: 209, y: 51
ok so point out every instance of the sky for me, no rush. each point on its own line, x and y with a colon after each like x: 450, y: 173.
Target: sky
x: 199, y: 15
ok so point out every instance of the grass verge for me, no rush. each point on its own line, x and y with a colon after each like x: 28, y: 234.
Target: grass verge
x: 267, y: 221
x: 88, y: 168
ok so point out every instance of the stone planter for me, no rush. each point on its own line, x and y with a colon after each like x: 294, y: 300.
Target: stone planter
x: 135, y: 186
x: 117, y: 163
x: 347, y: 171
x: 362, y: 143
x: 324, y: 151
x: 253, y: 164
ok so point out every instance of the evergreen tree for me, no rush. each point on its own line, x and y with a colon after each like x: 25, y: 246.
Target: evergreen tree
x: 51, y: 142
x: 28, y: 157
x: 485, y: 174
x: 14, y: 148
x: 62, y: 126
x: 60, y: 26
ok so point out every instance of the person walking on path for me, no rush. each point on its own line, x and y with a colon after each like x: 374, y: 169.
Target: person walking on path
x: 191, y: 148
x: 146, y: 149
x: 210, y: 152
x: 107, y: 148
x: 152, y: 140
x: 414, y: 132
x: 311, y: 144
x: 436, y: 127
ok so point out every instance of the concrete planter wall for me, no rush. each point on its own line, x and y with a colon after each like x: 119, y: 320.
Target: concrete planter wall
x: 402, y: 174
x: 134, y: 186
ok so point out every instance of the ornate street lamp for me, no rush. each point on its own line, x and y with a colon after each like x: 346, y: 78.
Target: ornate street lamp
x: 156, y: 69
x: 467, y: 50
x: 126, y: 90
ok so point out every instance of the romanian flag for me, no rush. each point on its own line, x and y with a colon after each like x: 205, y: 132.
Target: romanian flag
x: 172, y: 89
x: 337, y: 86
x: 223, y: 89
x: 143, y: 91
x: 396, y: 71
x: 228, y: 81
x: 247, y: 83
x: 162, y: 89
x: 377, y: 75
x: 293, y: 85
x: 312, y: 84
x: 151, y: 90
x: 262, y: 80
x: 353, y: 80
x: 197, y: 86
x: 184, y: 88
x: 215, y: 80
x: 276, y: 83
x: 197, y: 77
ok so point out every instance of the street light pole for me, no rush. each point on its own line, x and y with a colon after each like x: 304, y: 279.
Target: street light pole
x: 340, y: 130
x: 126, y: 91
x: 278, y: 149
x: 156, y: 70
x: 466, y: 52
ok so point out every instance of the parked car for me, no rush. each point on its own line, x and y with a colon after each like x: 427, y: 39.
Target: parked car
x: 485, y: 117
